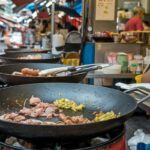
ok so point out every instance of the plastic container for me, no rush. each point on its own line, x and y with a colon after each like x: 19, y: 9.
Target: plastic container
x: 138, y: 78
x: 122, y: 59
x: 140, y: 61
x: 115, y: 69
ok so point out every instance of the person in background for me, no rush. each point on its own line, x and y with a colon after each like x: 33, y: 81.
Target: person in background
x: 7, y: 35
x: 136, y: 23
x: 45, y: 27
x: 30, y: 34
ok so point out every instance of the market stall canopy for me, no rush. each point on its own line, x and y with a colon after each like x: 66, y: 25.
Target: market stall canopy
x: 69, y: 11
x: 22, y: 2
x: 8, y: 21
x: 31, y: 7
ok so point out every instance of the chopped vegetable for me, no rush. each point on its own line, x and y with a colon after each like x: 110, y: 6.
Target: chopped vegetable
x: 105, y: 116
x: 68, y: 104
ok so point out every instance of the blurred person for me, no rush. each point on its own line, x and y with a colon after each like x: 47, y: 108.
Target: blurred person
x: 7, y: 37
x: 30, y: 34
x: 46, y: 26
x: 136, y: 23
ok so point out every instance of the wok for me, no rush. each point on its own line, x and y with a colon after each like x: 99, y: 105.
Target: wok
x: 7, y: 78
x: 46, y: 58
x: 95, y: 99
x: 7, y: 51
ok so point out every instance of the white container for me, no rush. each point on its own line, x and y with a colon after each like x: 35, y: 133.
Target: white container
x: 58, y: 40
x: 114, y: 69
x: 46, y: 43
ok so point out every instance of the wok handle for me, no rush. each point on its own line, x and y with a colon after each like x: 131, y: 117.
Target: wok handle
x: 86, y: 66
x: 140, y: 90
x: 84, y: 70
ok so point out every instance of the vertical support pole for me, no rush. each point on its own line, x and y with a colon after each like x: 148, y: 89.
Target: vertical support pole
x: 52, y: 22
x: 83, y: 18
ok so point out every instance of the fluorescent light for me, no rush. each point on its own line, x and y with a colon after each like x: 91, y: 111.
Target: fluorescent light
x: 49, y: 4
x: 43, y: 3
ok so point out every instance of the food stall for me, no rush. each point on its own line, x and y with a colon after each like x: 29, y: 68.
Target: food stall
x: 44, y: 103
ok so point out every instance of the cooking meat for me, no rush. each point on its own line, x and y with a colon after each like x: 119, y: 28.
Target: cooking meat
x: 12, y: 117
x: 29, y: 72
x: 73, y: 120
x: 42, y: 105
x: 19, y: 118
x: 25, y: 111
x: 36, y: 112
x: 50, y: 109
x: 34, y: 100
x: 30, y: 57
x: 41, y: 110
x: 79, y: 120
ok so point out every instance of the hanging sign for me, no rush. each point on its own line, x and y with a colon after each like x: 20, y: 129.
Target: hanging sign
x: 105, y: 10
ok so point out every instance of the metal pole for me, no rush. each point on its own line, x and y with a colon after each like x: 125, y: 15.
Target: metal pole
x: 52, y: 22
x: 83, y: 18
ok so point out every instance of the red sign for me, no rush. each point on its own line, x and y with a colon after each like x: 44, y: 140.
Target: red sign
x: 43, y: 15
x: 22, y: 2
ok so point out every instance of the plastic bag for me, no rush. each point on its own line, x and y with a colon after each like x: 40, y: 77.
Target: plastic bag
x: 139, y: 137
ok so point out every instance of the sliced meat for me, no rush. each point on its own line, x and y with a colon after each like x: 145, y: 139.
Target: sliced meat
x: 79, y: 119
x: 30, y: 72
x: 42, y: 105
x: 73, y: 120
x: 51, y: 109
x: 62, y: 116
x: 34, y: 101
x: 10, y: 116
x: 25, y: 111
x: 19, y: 118
x: 37, y: 112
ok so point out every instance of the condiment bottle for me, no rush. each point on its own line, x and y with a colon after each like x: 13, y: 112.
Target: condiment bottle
x: 122, y: 59
x: 139, y: 60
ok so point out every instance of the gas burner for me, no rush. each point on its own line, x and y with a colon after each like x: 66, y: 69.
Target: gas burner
x: 113, y: 140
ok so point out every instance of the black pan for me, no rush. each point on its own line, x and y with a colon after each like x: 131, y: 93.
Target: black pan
x: 7, y: 78
x: 46, y: 58
x: 7, y: 51
x: 95, y: 99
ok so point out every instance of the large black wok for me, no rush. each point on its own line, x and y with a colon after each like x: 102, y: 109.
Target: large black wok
x: 95, y: 99
x: 7, y: 78
x: 13, y: 50
x: 13, y: 58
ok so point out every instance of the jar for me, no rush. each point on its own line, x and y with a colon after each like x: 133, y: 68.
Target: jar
x: 122, y: 59
x: 140, y: 62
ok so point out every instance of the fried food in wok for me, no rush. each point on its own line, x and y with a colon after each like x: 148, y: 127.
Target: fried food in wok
x: 42, y: 113
x: 30, y: 57
x: 29, y: 72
